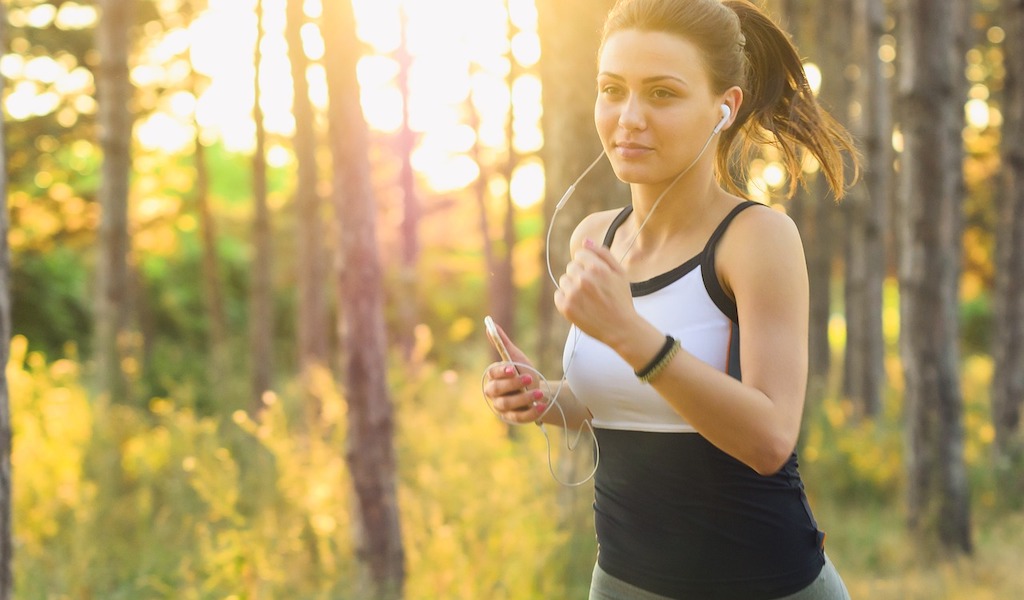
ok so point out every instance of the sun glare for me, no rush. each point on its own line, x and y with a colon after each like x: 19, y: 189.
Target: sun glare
x: 458, y: 98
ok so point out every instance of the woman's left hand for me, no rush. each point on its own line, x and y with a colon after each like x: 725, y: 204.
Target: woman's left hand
x: 594, y: 292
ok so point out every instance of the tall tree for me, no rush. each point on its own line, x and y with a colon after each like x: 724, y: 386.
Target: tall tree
x: 930, y: 224
x: 370, y: 452
x: 6, y: 497
x: 213, y: 289
x: 811, y: 209
x: 1008, y: 352
x: 261, y: 326
x: 569, y: 32
x: 866, y: 210
x: 311, y: 258
x: 406, y: 144
x: 503, y: 296
x: 834, y: 29
x: 113, y: 90
x: 498, y: 251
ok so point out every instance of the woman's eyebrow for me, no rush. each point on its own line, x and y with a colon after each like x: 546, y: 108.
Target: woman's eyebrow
x: 645, y: 80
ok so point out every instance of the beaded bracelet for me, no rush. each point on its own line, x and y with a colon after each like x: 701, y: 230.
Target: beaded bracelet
x: 660, y: 361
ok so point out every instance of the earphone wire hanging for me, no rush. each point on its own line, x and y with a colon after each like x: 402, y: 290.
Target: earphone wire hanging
x: 575, y: 331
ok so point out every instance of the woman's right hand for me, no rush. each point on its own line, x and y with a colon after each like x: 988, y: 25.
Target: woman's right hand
x: 516, y: 397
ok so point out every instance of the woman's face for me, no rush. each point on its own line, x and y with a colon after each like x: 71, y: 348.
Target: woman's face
x: 655, y: 108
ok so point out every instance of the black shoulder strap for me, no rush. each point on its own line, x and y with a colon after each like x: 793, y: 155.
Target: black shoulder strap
x: 707, y: 261
x: 616, y: 223
x: 709, y: 248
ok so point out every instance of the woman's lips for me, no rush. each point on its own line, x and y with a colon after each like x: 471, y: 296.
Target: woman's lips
x: 631, y: 150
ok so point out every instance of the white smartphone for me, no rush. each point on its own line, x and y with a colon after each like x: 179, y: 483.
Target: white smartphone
x: 492, y: 334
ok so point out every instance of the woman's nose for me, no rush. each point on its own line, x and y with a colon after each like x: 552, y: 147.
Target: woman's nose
x: 631, y: 116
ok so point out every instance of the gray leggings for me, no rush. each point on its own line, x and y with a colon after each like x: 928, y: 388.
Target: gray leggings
x: 828, y: 586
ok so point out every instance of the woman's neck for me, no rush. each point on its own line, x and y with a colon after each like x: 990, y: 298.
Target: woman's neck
x: 677, y: 209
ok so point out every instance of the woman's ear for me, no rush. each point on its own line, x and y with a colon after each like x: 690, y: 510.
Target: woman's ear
x: 732, y: 99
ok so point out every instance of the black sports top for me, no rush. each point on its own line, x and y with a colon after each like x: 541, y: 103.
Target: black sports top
x: 674, y: 514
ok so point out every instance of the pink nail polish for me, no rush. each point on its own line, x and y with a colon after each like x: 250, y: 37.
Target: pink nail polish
x: 537, y: 394
x: 527, y: 380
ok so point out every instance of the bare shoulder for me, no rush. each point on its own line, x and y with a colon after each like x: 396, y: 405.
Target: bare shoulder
x: 758, y: 229
x: 760, y: 241
x: 592, y: 227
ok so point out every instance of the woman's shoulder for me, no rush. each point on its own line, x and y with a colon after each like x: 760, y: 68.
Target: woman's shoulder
x: 759, y: 240
x: 759, y: 226
x: 593, y: 227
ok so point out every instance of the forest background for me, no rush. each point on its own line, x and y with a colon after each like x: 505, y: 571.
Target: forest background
x: 247, y: 263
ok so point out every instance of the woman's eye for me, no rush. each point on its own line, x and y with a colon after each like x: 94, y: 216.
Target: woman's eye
x: 611, y: 90
x: 662, y: 93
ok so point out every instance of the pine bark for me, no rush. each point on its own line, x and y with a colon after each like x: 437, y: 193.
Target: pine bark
x: 813, y: 212
x: 370, y: 453
x: 930, y: 225
x: 311, y: 256
x: 6, y: 495
x: 1008, y: 351
x: 866, y: 209
x: 261, y: 327
x: 408, y: 297
x: 570, y: 34
x: 114, y: 91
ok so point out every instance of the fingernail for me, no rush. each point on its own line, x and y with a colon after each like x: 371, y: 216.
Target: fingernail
x: 537, y: 394
x: 527, y: 380
x: 588, y: 243
x: 509, y: 370
x: 541, y: 407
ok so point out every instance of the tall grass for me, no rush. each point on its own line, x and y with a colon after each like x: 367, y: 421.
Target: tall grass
x: 118, y: 502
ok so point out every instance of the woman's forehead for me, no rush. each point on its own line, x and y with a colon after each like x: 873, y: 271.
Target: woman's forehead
x: 641, y: 54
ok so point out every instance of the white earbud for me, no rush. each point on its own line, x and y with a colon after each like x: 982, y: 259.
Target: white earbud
x: 726, y: 113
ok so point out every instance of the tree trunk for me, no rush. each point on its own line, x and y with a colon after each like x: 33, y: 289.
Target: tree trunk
x: 929, y: 246
x: 569, y: 33
x: 503, y: 286
x: 113, y: 88
x: 829, y: 238
x: 213, y: 293
x: 370, y: 452
x: 866, y: 208
x: 1008, y: 378
x: 261, y: 326
x: 482, y: 197
x: 813, y: 214
x: 408, y: 298
x: 311, y: 254
x: 6, y: 497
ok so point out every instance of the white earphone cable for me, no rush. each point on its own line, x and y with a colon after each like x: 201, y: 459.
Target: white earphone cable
x: 573, y: 442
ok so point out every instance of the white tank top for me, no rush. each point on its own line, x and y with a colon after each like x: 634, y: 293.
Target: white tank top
x: 687, y: 303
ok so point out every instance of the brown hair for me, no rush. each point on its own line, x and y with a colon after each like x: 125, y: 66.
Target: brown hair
x: 743, y: 47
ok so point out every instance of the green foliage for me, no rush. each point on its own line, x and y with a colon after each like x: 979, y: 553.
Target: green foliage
x: 49, y: 299
x: 856, y: 459
x: 116, y: 501
x: 976, y: 324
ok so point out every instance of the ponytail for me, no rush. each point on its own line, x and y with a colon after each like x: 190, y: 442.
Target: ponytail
x: 779, y: 109
x: 743, y: 47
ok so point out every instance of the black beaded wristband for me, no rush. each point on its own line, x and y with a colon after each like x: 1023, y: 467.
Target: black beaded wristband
x: 667, y: 351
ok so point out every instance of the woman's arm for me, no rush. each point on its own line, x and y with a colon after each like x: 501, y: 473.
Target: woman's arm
x: 761, y: 262
x: 516, y: 396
